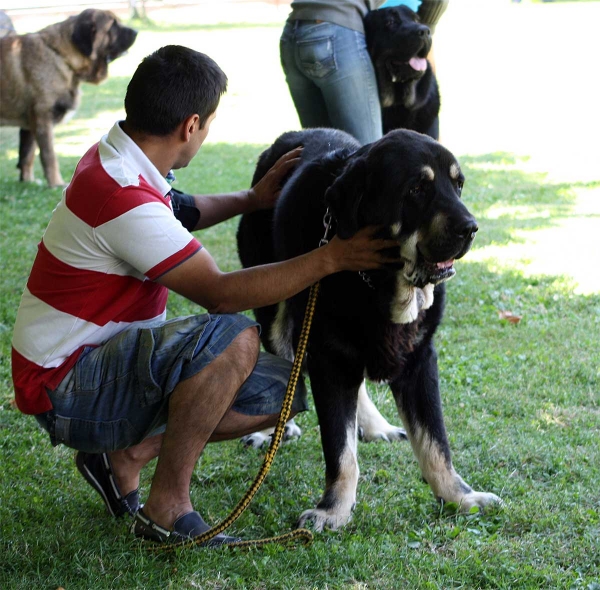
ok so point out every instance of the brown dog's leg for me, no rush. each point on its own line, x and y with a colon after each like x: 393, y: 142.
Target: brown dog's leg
x: 26, y: 155
x: 44, y: 134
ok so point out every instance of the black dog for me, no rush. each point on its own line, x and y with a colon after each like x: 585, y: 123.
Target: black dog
x: 378, y: 324
x: 408, y: 91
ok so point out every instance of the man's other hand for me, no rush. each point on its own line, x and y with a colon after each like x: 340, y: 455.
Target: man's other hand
x: 264, y: 194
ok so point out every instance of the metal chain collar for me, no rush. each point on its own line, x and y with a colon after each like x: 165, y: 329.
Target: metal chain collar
x: 327, y: 219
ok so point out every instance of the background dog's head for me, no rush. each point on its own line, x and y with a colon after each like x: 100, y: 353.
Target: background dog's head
x: 411, y: 185
x: 398, y: 45
x: 99, y: 36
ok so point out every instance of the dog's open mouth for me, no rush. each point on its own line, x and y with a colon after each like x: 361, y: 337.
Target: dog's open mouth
x: 440, y: 271
x: 425, y: 272
x: 402, y: 71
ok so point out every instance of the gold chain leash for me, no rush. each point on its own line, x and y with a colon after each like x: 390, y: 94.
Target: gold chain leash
x: 303, y: 535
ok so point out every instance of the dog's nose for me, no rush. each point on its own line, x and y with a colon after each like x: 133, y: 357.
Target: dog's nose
x: 467, y: 230
x: 424, y: 31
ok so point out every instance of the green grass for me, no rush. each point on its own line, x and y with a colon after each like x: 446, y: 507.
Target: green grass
x: 521, y: 400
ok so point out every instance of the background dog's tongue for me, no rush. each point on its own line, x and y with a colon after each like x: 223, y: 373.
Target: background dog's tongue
x: 418, y: 63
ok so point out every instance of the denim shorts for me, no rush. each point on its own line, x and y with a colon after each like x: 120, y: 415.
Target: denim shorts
x: 117, y: 394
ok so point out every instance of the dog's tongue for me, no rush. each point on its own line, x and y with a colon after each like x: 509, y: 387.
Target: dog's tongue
x: 418, y: 63
x: 446, y: 264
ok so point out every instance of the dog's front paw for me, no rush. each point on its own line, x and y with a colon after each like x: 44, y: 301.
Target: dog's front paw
x: 478, y: 500
x: 320, y: 519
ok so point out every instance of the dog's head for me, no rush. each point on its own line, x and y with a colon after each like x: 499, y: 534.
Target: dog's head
x: 398, y: 45
x: 99, y: 36
x: 411, y: 185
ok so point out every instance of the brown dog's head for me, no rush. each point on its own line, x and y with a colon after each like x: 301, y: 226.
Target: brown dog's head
x: 98, y: 35
x: 411, y: 185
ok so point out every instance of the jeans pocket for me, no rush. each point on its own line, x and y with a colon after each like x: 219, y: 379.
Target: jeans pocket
x: 316, y: 57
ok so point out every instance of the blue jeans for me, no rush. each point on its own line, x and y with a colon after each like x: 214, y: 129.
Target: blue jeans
x: 331, y: 78
x: 118, y: 394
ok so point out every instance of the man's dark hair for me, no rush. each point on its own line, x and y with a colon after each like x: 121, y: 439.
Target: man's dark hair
x: 170, y: 85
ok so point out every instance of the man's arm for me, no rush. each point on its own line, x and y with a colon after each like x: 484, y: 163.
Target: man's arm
x: 200, y: 279
x: 214, y: 209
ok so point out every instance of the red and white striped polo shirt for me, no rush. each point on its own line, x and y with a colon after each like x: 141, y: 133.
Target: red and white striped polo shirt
x: 112, y: 234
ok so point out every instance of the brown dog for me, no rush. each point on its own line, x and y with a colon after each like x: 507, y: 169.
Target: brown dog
x: 41, y: 73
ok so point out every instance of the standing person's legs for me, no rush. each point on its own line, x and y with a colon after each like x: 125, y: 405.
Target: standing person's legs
x: 308, y: 100
x: 351, y: 91
x: 328, y: 64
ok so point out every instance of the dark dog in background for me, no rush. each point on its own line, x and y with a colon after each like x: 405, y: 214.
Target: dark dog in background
x: 380, y: 324
x: 41, y: 74
x: 398, y: 45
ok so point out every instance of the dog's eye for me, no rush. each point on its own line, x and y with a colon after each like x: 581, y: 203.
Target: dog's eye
x: 416, y: 190
x: 459, y: 186
x: 392, y: 22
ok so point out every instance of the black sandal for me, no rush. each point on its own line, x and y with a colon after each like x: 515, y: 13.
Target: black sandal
x: 97, y: 471
x: 185, y: 528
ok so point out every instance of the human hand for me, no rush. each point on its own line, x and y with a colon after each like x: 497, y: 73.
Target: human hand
x: 264, y: 194
x: 363, y: 251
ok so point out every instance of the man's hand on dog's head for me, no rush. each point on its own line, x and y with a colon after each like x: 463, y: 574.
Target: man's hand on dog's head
x: 364, y: 251
x: 264, y: 194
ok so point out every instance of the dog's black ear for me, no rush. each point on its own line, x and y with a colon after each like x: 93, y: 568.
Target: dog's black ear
x: 84, y: 33
x: 392, y: 20
x: 343, y: 197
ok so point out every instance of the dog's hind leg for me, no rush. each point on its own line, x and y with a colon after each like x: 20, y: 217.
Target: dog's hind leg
x: 26, y: 155
x: 419, y: 404
x: 372, y: 425
x: 262, y: 438
x: 336, y: 404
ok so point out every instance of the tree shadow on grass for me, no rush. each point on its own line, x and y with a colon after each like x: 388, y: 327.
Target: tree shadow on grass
x: 507, y: 200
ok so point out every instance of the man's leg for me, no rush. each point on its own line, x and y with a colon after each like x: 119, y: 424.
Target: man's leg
x: 198, y: 377
x: 257, y: 406
x: 127, y: 463
x: 196, y: 407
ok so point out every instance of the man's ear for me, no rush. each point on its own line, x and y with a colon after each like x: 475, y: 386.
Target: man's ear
x: 190, y: 126
x: 344, y: 197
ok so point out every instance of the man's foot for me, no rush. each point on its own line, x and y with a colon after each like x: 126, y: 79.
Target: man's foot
x: 185, y: 528
x: 97, y: 471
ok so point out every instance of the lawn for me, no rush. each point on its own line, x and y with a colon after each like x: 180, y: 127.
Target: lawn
x: 521, y: 397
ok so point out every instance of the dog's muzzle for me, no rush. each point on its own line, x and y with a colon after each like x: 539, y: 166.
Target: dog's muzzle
x: 423, y: 270
x: 428, y: 273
